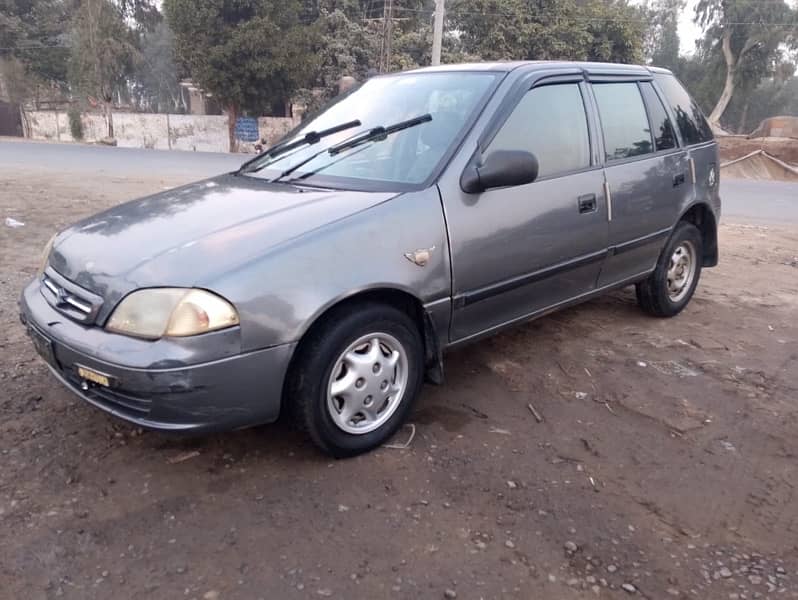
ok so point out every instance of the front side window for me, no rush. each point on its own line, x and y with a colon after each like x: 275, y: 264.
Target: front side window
x: 406, y: 157
x: 689, y: 118
x: 550, y: 122
x: 623, y: 120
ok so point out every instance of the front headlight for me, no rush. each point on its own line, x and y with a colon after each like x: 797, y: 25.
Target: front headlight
x: 46, y: 255
x: 178, y: 312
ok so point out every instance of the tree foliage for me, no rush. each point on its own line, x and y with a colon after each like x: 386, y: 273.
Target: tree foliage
x: 345, y: 44
x: 156, y: 78
x: 662, y: 40
x: 248, y: 53
x: 33, y: 33
x: 143, y: 14
x: 610, y: 30
x: 775, y: 95
x: 103, y: 55
x: 351, y: 39
x: 750, y: 36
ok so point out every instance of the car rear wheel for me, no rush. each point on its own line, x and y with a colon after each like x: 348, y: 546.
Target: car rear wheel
x: 670, y: 287
x: 356, y: 377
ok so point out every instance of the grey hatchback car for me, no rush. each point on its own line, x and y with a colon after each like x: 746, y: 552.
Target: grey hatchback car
x: 420, y: 211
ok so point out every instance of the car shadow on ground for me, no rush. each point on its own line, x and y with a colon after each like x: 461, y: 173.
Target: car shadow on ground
x: 284, y: 439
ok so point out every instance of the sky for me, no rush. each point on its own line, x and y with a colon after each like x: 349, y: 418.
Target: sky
x: 689, y: 32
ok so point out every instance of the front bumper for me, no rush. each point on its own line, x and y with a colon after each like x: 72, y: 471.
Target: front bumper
x: 236, y: 390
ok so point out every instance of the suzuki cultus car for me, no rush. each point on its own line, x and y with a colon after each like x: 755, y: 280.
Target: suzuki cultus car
x: 419, y: 212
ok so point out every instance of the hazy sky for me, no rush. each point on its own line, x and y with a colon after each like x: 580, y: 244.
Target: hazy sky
x: 689, y: 32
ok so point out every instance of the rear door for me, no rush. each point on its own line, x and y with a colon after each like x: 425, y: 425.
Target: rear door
x: 518, y: 250
x: 696, y: 137
x: 647, y: 176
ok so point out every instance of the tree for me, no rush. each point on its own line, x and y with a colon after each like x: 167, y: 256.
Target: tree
x: 702, y: 73
x: 548, y: 29
x: 345, y: 44
x: 156, y: 77
x: 663, y: 35
x: 103, y: 53
x: 777, y: 94
x: 143, y: 14
x: 32, y: 35
x: 352, y: 39
x: 750, y: 36
x: 250, y: 53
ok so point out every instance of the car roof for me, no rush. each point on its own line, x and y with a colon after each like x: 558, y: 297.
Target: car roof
x: 506, y: 66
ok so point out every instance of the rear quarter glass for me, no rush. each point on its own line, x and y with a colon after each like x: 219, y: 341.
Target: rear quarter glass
x: 691, y: 122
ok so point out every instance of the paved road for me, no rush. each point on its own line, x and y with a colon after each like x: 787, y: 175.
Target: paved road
x: 119, y: 162
x: 759, y: 201
x: 755, y: 201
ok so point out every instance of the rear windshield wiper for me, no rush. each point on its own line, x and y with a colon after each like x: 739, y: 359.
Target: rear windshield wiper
x: 310, y: 138
x: 378, y: 133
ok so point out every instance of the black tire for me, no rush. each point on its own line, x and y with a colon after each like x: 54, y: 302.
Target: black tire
x: 317, y: 356
x: 652, y: 293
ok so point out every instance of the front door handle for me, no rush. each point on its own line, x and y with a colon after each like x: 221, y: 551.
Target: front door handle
x: 587, y: 203
x: 678, y: 179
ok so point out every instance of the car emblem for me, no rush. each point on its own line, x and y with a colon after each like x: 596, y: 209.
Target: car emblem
x: 712, y: 176
x: 420, y: 257
x: 60, y: 297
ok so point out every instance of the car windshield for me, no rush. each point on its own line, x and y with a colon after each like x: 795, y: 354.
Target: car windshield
x: 407, y: 156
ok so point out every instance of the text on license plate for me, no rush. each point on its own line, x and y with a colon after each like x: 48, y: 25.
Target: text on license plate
x: 93, y: 376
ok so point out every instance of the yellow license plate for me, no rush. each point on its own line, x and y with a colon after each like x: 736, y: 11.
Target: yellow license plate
x: 94, y: 376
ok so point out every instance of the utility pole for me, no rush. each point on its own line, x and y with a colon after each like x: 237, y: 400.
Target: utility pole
x: 437, y: 33
x: 387, y: 36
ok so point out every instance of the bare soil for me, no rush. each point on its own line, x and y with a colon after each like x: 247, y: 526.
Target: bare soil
x: 665, y: 463
x: 733, y: 147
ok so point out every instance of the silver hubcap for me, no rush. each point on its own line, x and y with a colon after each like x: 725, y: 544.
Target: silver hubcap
x: 367, y: 383
x: 681, y: 271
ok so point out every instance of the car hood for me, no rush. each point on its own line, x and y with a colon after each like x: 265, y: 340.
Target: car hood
x: 189, y: 235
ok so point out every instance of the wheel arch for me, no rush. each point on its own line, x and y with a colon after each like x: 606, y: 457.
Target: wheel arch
x: 396, y: 297
x: 703, y: 218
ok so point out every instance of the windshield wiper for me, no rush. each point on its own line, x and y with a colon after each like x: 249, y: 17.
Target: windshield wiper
x: 378, y: 133
x: 310, y: 138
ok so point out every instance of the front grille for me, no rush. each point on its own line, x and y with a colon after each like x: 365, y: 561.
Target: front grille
x: 128, y: 404
x: 66, y: 297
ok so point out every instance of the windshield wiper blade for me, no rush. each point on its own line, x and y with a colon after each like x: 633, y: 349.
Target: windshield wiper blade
x: 378, y: 133
x: 306, y: 160
x: 310, y: 138
x: 374, y: 134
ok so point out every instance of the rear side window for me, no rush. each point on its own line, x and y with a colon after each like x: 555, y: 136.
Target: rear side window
x: 550, y: 122
x: 623, y: 120
x: 689, y: 119
x: 664, y: 138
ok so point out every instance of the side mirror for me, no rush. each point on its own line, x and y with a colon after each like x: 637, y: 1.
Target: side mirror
x: 503, y: 168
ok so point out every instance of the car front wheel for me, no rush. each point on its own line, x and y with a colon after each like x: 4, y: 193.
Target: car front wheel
x: 356, y: 377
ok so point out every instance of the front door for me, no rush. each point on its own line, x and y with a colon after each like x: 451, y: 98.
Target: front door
x: 519, y: 250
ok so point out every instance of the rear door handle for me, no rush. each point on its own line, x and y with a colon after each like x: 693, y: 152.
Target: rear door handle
x: 678, y: 179
x: 587, y: 203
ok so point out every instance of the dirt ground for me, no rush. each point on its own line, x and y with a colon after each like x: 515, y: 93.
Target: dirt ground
x: 733, y: 147
x: 665, y: 465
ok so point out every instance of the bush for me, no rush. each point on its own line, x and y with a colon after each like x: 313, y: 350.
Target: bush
x: 75, y: 122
